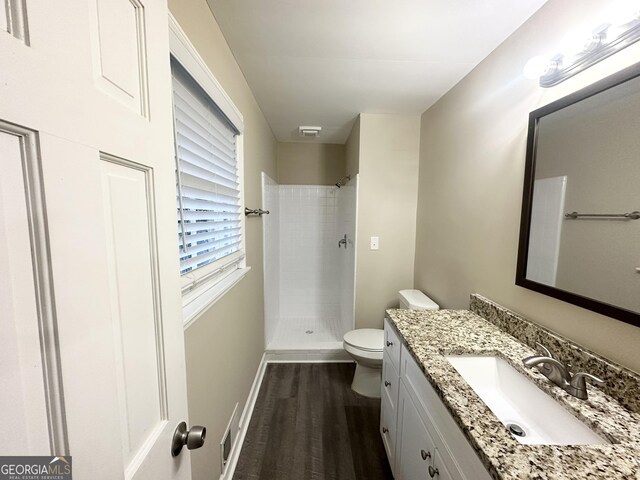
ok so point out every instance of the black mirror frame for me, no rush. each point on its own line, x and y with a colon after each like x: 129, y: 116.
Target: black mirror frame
x: 613, y: 311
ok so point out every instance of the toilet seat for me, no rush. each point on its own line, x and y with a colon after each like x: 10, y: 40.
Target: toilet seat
x: 365, y: 339
x: 364, y: 356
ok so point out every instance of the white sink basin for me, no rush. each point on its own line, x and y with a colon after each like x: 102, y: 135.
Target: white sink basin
x: 515, y: 400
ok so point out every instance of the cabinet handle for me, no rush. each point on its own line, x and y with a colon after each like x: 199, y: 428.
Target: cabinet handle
x: 433, y: 471
x: 385, y: 430
x: 388, y: 343
x: 425, y: 455
x: 386, y: 383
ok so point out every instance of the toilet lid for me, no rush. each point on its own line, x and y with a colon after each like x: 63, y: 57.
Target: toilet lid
x: 368, y: 339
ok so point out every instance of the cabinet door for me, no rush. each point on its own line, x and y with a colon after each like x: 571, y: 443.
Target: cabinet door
x: 415, y: 448
x: 438, y: 470
x: 388, y: 423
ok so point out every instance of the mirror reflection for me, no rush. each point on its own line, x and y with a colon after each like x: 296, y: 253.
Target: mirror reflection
x: 584, y: 235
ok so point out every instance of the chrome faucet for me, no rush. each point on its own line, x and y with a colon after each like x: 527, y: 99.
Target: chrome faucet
x: 558, y: 373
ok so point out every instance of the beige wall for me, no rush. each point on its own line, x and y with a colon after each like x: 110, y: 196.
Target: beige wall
x: 387, y: 202
x: 310, y: 163
x: 352, y: 149
x: 225, y: 345
x: 472, y: 156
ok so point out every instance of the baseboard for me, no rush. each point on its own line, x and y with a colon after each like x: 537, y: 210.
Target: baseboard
x: 307, y: 356
x: 244, y: 421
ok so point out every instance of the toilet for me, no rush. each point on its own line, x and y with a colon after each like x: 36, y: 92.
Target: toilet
x: 416, y: 300
x: 366, y: 345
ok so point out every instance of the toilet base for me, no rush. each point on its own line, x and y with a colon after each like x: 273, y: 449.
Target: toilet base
x: 366, y: 381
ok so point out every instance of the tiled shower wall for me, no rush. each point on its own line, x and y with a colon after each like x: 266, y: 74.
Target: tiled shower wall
x: 309, y: 268
x: 347, y: 210
x: 271, y: 243
x: 308, y: 280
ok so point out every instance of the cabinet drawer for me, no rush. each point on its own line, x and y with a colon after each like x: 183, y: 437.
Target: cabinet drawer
x: 457, y: 457
x: 388, y: 422
x: 392, y: 344
x: 390, y: 382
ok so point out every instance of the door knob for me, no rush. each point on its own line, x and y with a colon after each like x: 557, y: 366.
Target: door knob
x: 433, y: 471
x: 424, y: 454
x: 385, y: 430
x: 192, y: 438
x: 387, y: 383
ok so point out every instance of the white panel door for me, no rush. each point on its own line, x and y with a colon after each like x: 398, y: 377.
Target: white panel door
x: 23, y: 408
x: 91, y: 338
x: 4, y: 17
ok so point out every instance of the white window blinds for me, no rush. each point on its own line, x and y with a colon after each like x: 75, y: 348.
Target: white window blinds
x: 208, y: 189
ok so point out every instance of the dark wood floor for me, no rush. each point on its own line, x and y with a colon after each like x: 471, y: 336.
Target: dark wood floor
x: 309, y: 424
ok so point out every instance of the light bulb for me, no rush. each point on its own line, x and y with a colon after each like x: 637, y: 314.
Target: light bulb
x: 537, y: 67
x: 575, y: 42
x: 623, y: 12
x: 621, y: 16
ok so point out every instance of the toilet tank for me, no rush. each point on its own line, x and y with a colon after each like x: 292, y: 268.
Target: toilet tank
x: 416, y: 300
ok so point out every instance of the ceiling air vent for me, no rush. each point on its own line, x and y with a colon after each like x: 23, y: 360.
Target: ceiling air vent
x: 309, y: 131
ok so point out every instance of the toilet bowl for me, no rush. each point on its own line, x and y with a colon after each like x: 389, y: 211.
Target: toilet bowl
x: 365, y: 345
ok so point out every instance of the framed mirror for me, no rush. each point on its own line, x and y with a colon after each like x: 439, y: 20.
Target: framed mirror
x: 580, y: 223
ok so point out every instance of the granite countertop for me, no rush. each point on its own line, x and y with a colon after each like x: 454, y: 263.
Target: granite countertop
x: 431, y: 335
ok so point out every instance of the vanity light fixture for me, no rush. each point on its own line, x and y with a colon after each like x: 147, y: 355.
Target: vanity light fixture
x: 579, y: 50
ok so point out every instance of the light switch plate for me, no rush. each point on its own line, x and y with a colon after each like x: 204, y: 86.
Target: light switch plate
x: 375, y: 243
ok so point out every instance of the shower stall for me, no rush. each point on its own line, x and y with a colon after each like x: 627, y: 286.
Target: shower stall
x: 309, y: 264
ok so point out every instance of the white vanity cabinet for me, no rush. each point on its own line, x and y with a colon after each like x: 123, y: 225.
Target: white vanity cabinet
x: 417, y: 453
x: 421, y: 438
x: 390, y: 387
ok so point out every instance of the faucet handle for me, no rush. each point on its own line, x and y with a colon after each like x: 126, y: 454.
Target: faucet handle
x: 578, y: 379
x: 578, y: 387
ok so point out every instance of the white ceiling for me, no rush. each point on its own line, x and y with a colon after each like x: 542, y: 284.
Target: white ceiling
x: 322, y: 62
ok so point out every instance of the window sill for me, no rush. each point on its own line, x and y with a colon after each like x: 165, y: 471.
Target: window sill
x: 197, y: 301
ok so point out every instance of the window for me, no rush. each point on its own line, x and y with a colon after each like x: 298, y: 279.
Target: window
x: 209, y: 197
x: 208, y: 188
